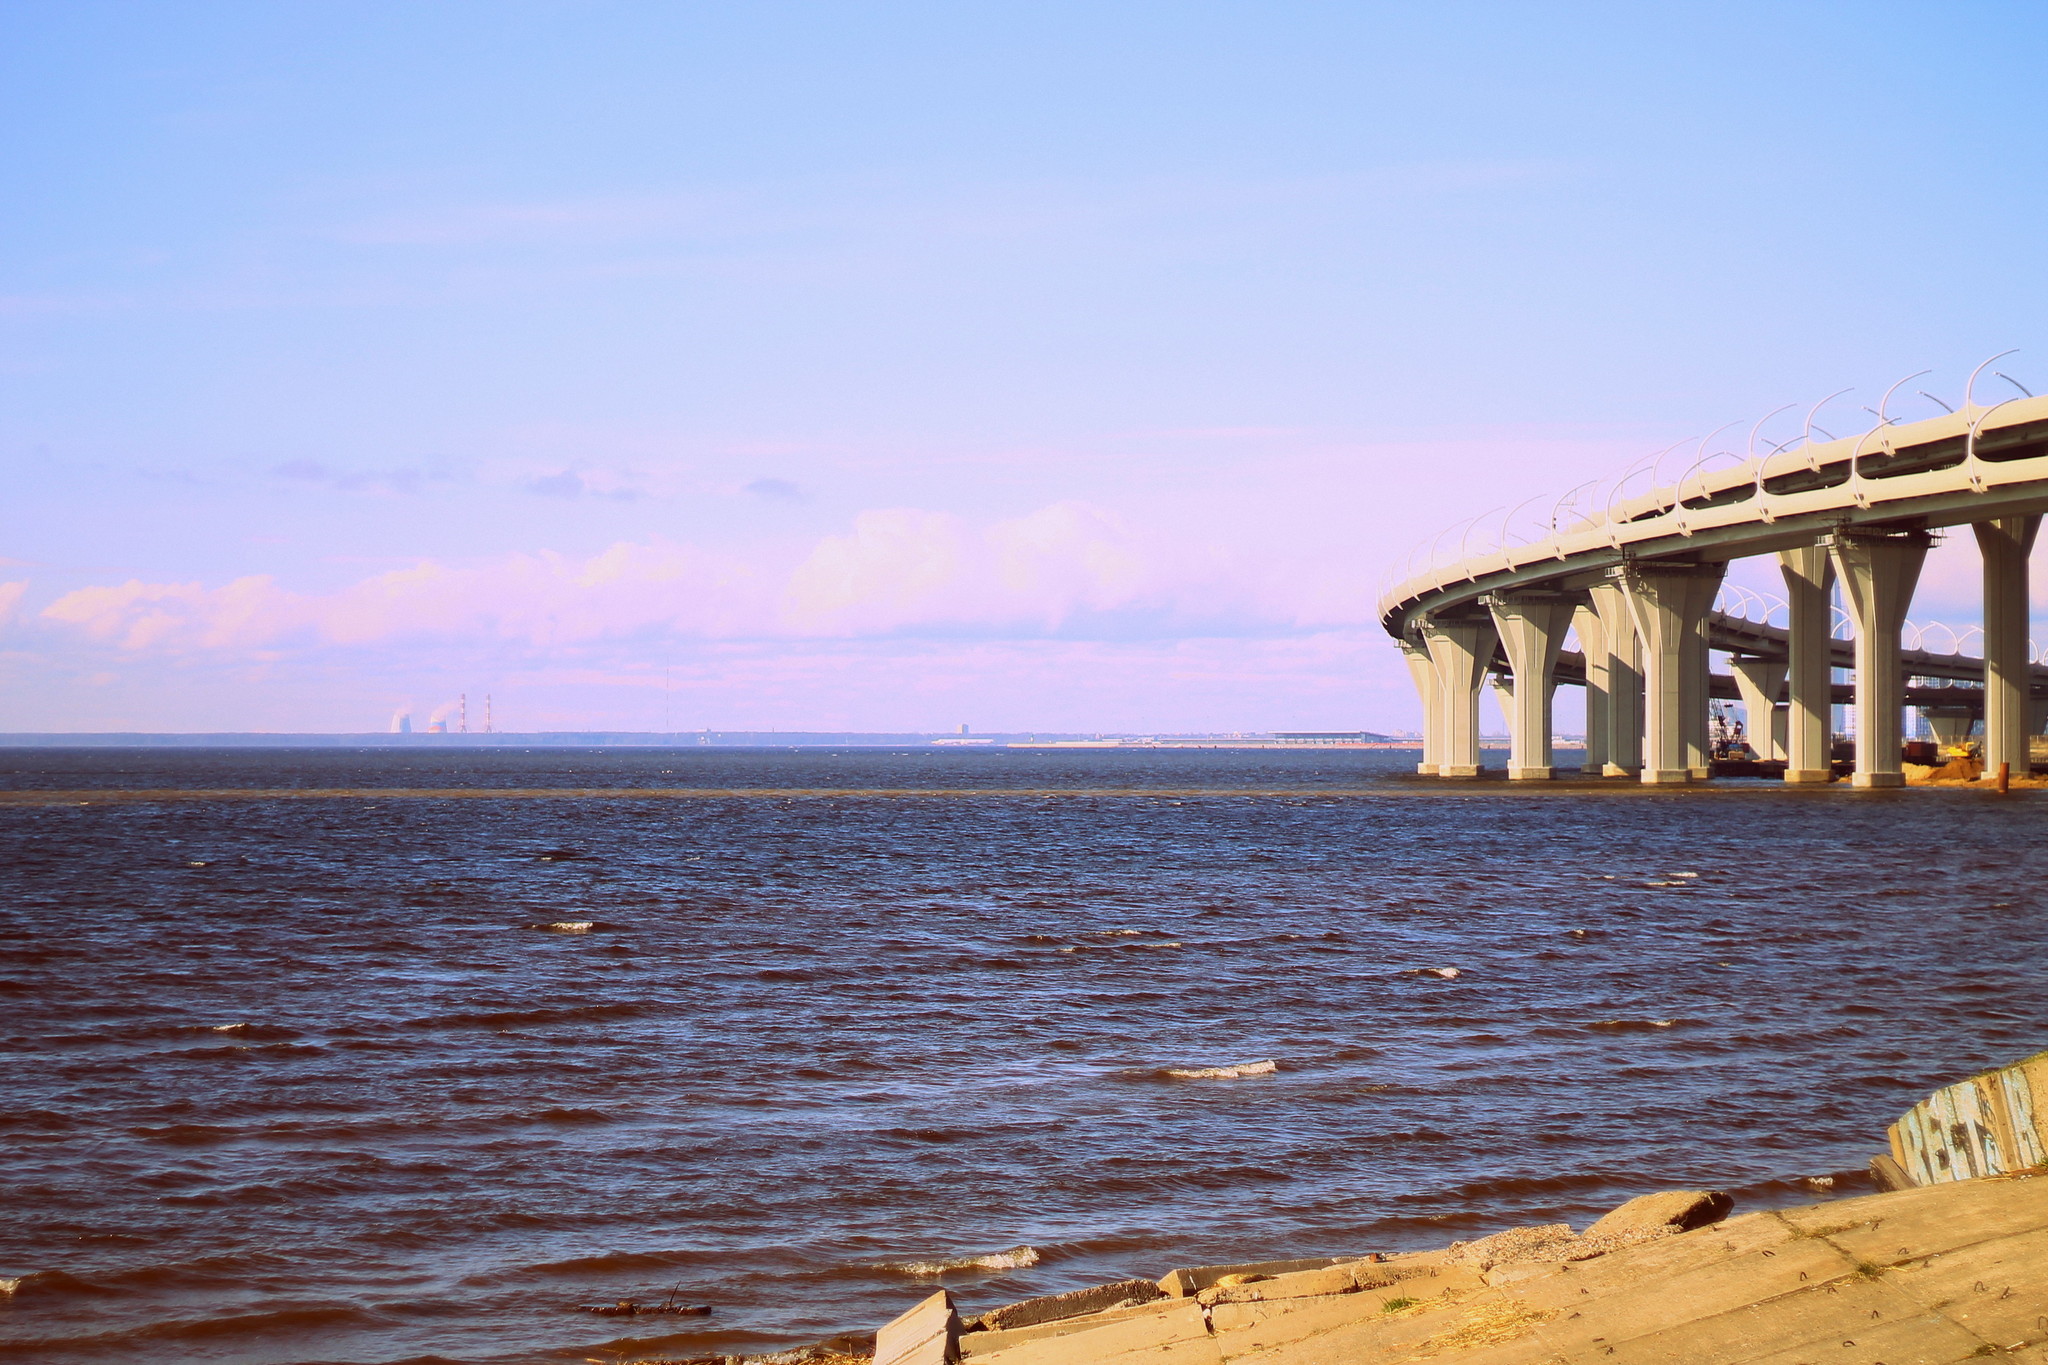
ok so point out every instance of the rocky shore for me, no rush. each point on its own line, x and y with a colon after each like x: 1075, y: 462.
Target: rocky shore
x: 1949, y: 1264
x: 1953, y: 1272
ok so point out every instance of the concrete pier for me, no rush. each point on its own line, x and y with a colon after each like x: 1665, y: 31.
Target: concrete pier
x: 1809, y: 582
x: 1624, y: 680
x: 1531, y: 628
x: 1460, y: 649
x: 1695, y: 687
x: 1423, y: 672
x: 1878, y: 574
x: 1592, y: 633
x: 1760, y: 681
x: 2006, y: 543
x: 1950, y: 724
x: 1667, y: 602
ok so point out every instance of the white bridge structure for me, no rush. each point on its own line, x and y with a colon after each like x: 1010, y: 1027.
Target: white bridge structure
x: 1636, y: 577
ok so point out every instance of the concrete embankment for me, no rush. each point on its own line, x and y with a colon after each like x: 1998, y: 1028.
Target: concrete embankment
x: 1947, y: 1273
x: 1950, y: 1264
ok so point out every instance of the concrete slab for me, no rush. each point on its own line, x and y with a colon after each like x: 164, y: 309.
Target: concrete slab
x: 1727, y: 1283
x: 1306, y: 1284
x: 1656, y: 1264
x: 1672, y: 1208
x: 1899, y: 1343
x: 1191, y: 1280
x: 1823, y: 1316
x: 1170, y: 1330
x: 1073, y: 1303
x: 974, y: 1345
x: 1373, y: 1336
x: 1910, y: 1224
x: 1198, y: 1352
x: 1928, y: 1276
x: 1996, y: 1289
x: 924, y: 1335
x: 1391, y: 1313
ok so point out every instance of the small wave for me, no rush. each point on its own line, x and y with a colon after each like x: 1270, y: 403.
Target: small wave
x: 567, y: 926
x: 241, y: 1052
x: 1634, y: 1025
x: 1121, y: 947
x: 1803, y: 1189
x: 530, y: 1018
x: 1221, y: 1073
x: 186, y: 1134
x: 566, y: 1115
x: 1479, y: 1192
x: 580, y: 1267
x: 55, y: 1283
x: 1016, y: 1258
x: 268, y: 1033
x: 932, y: 1134
x: 295, y: 1319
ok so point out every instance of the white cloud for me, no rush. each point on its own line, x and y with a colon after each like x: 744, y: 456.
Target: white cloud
x: 1067, y: 568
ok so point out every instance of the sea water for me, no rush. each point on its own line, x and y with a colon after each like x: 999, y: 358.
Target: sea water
x: 374, y: 1078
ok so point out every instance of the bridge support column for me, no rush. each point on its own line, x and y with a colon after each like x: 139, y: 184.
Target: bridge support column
x: 1460, y: 651
x: 1423, y: 672
x: 1599, y: 668
x: 1531, y: 627
x: 2006, y: 543
x: 1624, y: 681
x: 1878, y: 574
x: 1759, y: 681
x: 1951, y: 724
x: 1696, y: 694
x: 1809, y: 584
x: 1668, y: 603
x: 1504, y: 698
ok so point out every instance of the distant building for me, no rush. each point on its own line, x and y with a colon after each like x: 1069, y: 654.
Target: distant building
x: 401, y: 723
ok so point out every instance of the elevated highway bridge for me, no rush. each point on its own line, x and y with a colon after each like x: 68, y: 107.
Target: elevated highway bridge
x: 1636, y: 575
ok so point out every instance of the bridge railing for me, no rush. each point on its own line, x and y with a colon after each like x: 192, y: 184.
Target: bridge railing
x: 1698, y: 484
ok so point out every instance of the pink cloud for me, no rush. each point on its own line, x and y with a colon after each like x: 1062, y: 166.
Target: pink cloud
x: 892, y: 572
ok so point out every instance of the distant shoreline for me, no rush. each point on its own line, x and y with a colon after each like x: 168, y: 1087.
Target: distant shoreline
x: 723, y: 739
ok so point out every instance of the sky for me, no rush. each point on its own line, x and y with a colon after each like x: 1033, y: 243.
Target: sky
x: 667, y: 366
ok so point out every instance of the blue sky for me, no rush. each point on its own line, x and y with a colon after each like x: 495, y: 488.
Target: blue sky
x: 897, y: 366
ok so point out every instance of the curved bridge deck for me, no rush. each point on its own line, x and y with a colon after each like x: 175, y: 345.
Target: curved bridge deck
x: 1635, y: 580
